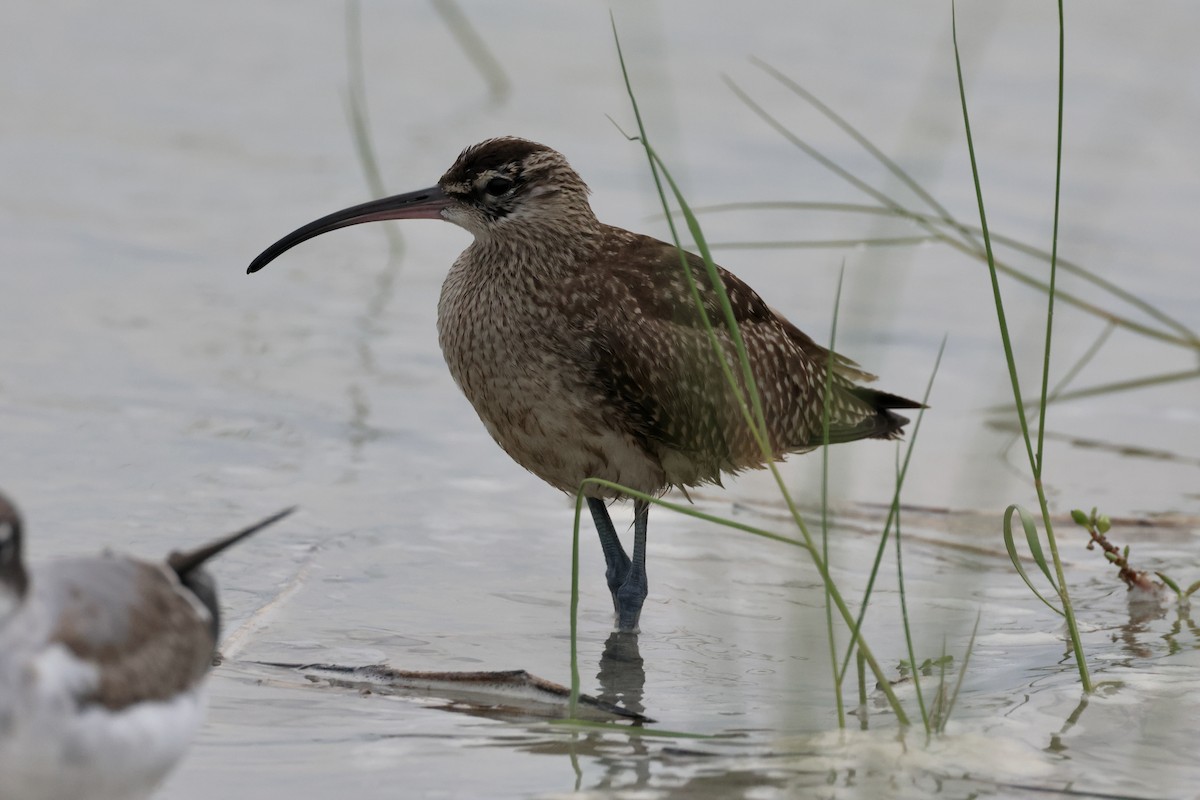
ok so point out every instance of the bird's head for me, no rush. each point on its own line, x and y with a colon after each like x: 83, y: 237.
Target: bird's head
x: 497, y: 187
x: 510, y: 182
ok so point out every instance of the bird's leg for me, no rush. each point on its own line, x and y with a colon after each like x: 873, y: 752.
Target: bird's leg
x: 617, y: 563
x: 632, y: 594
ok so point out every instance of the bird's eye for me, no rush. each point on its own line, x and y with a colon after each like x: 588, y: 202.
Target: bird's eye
x: 498, y: 186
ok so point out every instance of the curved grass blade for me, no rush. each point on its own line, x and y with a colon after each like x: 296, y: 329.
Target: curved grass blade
x: 1031, y: 536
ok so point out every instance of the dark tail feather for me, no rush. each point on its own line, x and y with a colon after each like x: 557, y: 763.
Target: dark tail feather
x: 884, y: 424
x: 883, y: 400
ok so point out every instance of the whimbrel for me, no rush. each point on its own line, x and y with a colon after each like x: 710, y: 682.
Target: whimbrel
x: 582, y: 351
x: 101, y: 665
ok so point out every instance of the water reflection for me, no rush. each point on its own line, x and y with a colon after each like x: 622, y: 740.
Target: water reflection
x: 622, y: 675
x: 1183, y: 619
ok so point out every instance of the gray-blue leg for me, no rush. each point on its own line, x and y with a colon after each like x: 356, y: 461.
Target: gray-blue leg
x: 615, y: 560
x: 626, y: 577
x: 633, y: 591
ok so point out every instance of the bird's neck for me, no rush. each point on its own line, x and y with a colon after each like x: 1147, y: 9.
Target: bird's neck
x: 542, y: 248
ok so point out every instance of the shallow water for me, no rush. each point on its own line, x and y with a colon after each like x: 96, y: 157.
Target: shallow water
x: 152, y: 394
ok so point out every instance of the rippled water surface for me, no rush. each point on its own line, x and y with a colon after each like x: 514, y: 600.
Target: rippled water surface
x: 152, y: 394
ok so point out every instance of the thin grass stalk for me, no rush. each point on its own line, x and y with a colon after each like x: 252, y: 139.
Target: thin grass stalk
x: 825, y: 406
x: 812, y: 152
x: 1185, y: 338
x: 476, y: 49
x: 818, y: 560
x: 828, y: 244
x: 360, y: 126
x: 807, y: 545
x: 893, y: 510
x: 1069, y: 376
x: 1041, y: 434
x: 862, y: 689
x: 689, y: 511
x: 912, y: 655
x: 1188, y: 339
x: 751, y: 387
x: 987, y: 241
x: 1118, y: 386
x: 768, y: 456
x: 941, y: 711
x: 573, y: 703
x: 853, y: 132
x: 962, y: 673
x: 756, y: 419
x: 1064, y: 596
x: 757, y: 422
x: 1068, y: 610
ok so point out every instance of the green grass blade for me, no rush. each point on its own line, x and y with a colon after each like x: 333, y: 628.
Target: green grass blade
x: 1183, y: 336
x: 754, y: 418
x: 894, y: 511
x: 908, y: 641
x: 1171, y: 583
x: 855, y: 134
x: 942, y: 215
x: 1011, y: 546
x: 476, y: 49
x: 689, y: 511
x: 360, y: 127
x: 1118, y: 386
x: 574, y: 612
x: 1035, y: 545
x: 1041, y: 431
x: 862, y: 689
x: 1014, y: 379
x: 826, y: 402
x: 827, y: 244
x: 962, y: 673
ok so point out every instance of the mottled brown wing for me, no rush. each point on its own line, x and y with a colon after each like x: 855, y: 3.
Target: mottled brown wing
x: 147, y: 641
x: 658, y: 362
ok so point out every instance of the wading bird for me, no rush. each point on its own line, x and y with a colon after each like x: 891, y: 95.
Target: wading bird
x: 102, y: 662
x: 582, y: 350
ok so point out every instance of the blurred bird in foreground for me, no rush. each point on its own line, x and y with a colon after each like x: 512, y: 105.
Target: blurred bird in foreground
x: 102, y: 662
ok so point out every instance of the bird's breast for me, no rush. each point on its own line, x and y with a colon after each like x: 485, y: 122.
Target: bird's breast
x: 522, y: 363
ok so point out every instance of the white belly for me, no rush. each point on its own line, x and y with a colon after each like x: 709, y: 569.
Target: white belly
x: 52, y: 750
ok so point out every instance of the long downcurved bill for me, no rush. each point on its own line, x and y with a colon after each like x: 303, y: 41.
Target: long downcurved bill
x: 425, y: 204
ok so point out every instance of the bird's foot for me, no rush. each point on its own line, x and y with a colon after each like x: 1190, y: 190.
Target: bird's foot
x: 628, y: 600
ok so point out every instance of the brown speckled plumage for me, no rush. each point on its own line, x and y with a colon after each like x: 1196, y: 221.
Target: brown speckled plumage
x: 581, y: 348
x: 583, y: 352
